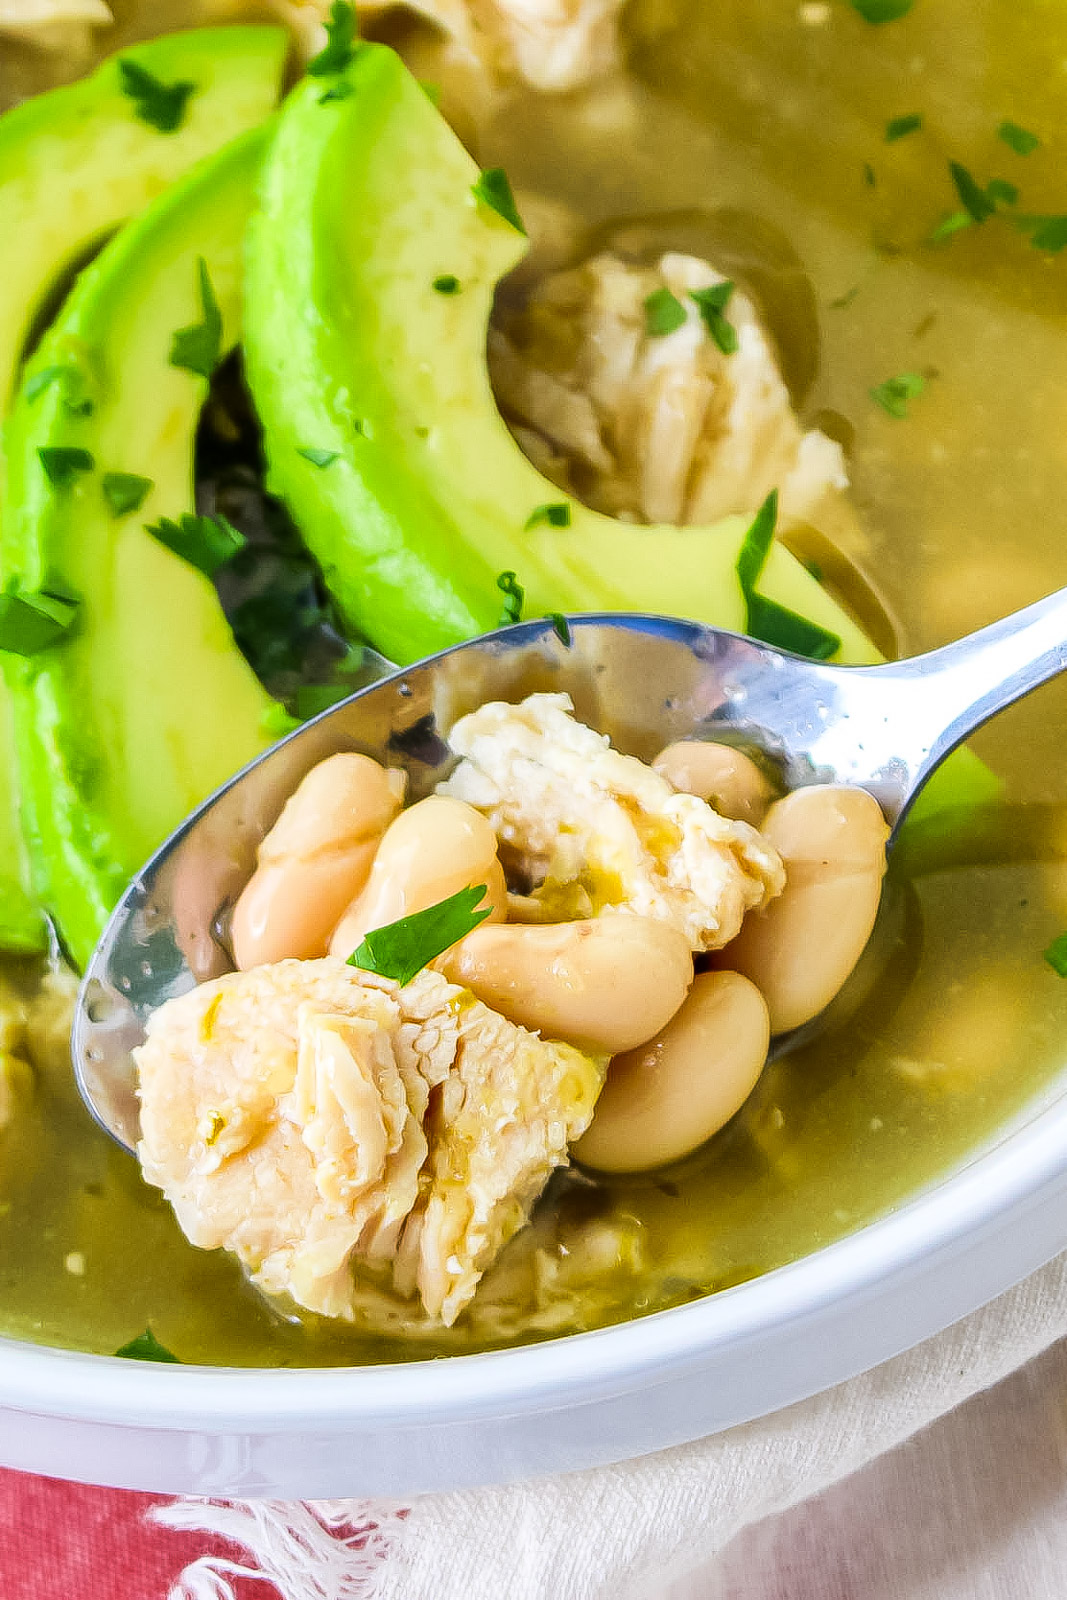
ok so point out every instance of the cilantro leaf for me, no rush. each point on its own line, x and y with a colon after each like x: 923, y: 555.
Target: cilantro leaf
x: 1050, y: 235
x: 974, y: 198
x: 1000, y: 191
x: 146, y: 1347
x: 125, y: 492
x: 776, y: 625
x: 34, y: 619
x: 206, y: 543
x: 712, y: 303
x: 757, y: 543
x: 161, y: 105
x: 494, y: 191
x: 954, y: 223
x: 319, y: 458
x: 276, y: 722
x: 893, y: 395
x: 900, y: 127
x: 766, y: 619
x: 664, y: 312
x: 402, y: 949
x: 198, y: 347
x: 560, y: 627
x: 555, y: 515
x: 882, y: 10
x: 1021, y: 140
x: 447, y: 283
x: 1056, y: 955
x: 514, y: 595
x: 76, y: 398
x: 342, y: 41
x: 63, y: 463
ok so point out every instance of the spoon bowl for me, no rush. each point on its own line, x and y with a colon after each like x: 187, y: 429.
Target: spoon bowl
x: 644, y: 681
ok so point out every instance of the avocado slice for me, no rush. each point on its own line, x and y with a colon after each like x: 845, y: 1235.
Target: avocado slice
x: 424, y: 499
x: 147, y: 706
x: 23, y: 930
x: 76, y: 162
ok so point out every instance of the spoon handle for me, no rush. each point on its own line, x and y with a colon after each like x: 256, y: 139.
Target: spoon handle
x: 950, y: 692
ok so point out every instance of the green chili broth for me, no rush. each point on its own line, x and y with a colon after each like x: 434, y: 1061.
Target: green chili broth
x: 954, y: 1025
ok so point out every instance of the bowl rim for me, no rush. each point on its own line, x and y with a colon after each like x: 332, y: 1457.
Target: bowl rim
x: 978, y: 1199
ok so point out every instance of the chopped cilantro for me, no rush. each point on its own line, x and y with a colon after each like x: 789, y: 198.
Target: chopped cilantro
x: 1021, y: 140
x: 494, y: 191
x: 342, y: 41
x: 894, y: 394
x: 198, y: 347
x: 712, y: 303
x: 32, y: 620
x: 447, y: 283
x: 757, y: 543
x: 882, y: 10
x: 1056, y: 955
x: 63, y: 464
x: 1050, y: 235
x: 766, y: 619
x: 664, y: 312
x: 276, y: 722
x: 868, y: 175
x: 319, y: 458
x: 560, y: 627
x: 146, y: 1347
x: 76, y: 398
x: 514, y: 595
x: 975, y: 200
x: 204, y: 542
x: 555, y: 515
x: 900, y: 127
x: 161, y: 105
x: 311, y: 699
x: 402, y: 949
x: 954, y: 223
x: 339, y: 91
x: 125, y: 492
x: 1002, y: 192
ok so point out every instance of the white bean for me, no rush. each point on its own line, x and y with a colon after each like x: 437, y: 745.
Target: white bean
x: 800, y: 949
x: 431, y: 851
x: 316, y: 857
x: 606, y: 984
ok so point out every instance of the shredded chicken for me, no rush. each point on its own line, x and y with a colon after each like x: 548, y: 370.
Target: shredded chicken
x: 336, y: 1131
x: 591, y: 829
x: 655, y: 428
x: 62, y: 26
x: 552, y: 45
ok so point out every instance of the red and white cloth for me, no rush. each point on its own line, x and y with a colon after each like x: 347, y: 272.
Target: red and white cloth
x: 940, y: 1476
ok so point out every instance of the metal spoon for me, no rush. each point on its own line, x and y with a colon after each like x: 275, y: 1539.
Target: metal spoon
x: 645, y: 681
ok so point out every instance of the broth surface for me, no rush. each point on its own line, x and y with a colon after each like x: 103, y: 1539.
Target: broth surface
x: 955, y: 1023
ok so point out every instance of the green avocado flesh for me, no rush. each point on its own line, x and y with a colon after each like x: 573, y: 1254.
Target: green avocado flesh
x: 366, y: 199
x: 129, y: 723
x: 77, y: 162
x: 22, y: 926
x: 74, y: 165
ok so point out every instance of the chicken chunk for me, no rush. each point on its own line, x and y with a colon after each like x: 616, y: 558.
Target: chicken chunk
x: 326, y: 1125
x: 655, y: 427
x: 552, y: 45
x: 589, y: 828
x: 62, y: 25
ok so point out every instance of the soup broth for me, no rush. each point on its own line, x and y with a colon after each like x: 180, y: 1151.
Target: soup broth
x: 954, y: 1024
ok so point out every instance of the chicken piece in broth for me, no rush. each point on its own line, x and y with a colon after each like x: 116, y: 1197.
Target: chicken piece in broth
x: 325, y: 1124
x: 591, y: 829
x: 653, y: 405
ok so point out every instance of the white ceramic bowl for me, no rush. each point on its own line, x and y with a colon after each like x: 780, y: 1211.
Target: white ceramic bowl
x: 569, y: 1403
